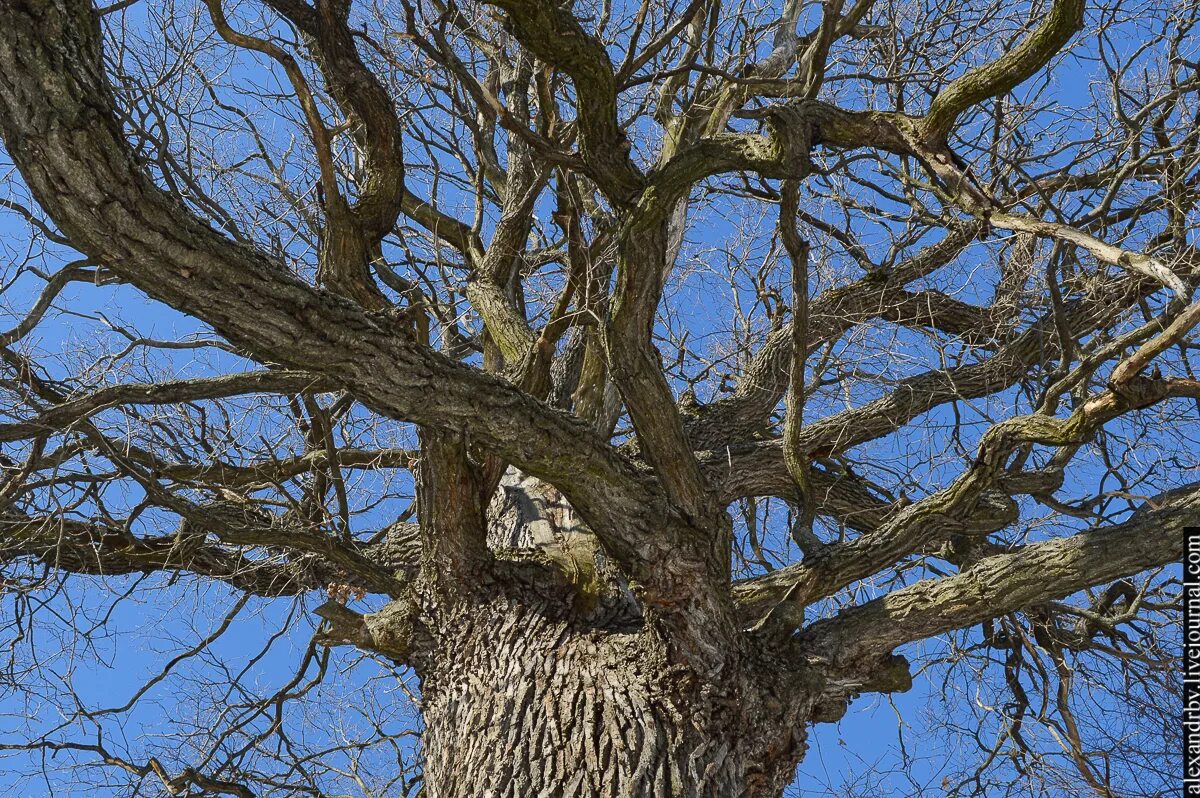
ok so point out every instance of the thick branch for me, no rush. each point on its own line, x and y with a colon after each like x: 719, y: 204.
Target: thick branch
x: 78, y: 547
x: 1038, y: 573
x: 936, y: 516
x: 1005, y: 73
x: 553, y: 34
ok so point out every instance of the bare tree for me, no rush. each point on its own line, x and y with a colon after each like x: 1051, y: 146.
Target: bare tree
x: 642, y: 378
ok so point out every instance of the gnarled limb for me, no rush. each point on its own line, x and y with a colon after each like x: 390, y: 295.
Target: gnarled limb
x: 79, y: 547
x: 1038, y: 573
x: 553, y: 34
x: 1005, y: 73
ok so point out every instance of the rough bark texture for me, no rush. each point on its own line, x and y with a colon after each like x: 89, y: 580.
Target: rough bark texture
x: 564, y: 668
x: 522, y: 701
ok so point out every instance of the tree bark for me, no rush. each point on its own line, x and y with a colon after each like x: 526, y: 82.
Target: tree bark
x: 526, y: 701
x: 545, y: 678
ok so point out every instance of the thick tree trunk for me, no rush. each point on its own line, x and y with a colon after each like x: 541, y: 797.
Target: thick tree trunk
x: 542, y: 675
x: 529, y: 704
x: 543, y: 678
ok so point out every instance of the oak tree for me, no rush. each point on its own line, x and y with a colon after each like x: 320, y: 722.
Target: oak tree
x: 648, y: 379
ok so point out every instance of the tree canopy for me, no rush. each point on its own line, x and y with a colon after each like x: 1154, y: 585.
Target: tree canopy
x: 727, y: 360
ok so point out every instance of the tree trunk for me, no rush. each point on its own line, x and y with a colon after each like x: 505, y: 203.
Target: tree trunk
x: 542, y: 677
x: 527, y: 702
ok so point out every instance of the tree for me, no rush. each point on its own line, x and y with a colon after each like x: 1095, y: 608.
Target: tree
x: 947, y: 261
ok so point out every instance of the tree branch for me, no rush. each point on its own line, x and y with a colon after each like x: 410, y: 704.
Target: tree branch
x: 1005, y: 73
x: 553, y: 34
x: 1038, y: 573
x: 63, y: 416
